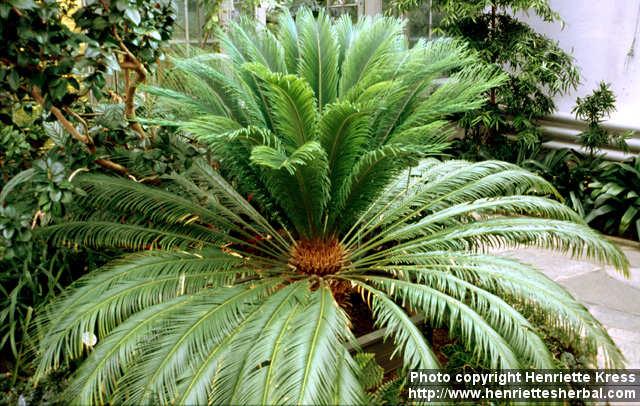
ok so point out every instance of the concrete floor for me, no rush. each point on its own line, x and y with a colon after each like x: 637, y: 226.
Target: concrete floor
x: 611, y: 298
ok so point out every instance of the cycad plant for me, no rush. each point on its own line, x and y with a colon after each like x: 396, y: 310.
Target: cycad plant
x: 236, y: 292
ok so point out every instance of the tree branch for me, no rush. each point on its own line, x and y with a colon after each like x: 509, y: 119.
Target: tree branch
x: 71, y: 129
x: 108, y: 164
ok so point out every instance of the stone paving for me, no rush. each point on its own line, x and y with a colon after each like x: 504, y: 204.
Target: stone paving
x: 611, y: 298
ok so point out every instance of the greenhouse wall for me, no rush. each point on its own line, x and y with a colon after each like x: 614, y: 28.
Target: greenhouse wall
x: 603, y: 37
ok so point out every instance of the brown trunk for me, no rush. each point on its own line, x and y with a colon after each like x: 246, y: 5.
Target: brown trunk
x: 130, y: 62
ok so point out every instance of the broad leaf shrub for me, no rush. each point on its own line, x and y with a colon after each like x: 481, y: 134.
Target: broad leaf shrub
x: 326, y: 128
x: 56, y: 59
x: 59, y: 55
x: 612, y: 201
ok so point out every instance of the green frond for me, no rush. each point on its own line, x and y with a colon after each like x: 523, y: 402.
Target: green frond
x: 288, y: 36
x: 206, y: 84
x: 205, y: 127
x: 251, y: 135
x: 291, y: 101
x: 218, y: 369
x: 345, y: 31
x: 106, y: 234
x: 348, y: 382
x: 462, y: 91
x: 258, y: 344
x: 389, y: 392
x: 527, y: 284
x: 371, y: 173
x: 99, y: 373
x: 435, y: 185
x: 408, y: 339
x: 220, y: 373
x: 230, y: 198
x: 440, y: 308
x: 278, y: 159
x: 343, y: 132
x: 186, y: 337
x: 437, y: 132
x: 532, y: 206
x: 182, y: 104
x: 97, y: 303
x: 318, y: 55
x: 393, y: 194
x: 503, y: 318
x: 272, y: 50
x: 522, y: 284
x: 15, y: 181
x: 217, y: 76
x: 243, y: 43
x: 414, y: 82
x: 309, y: 366
x: 269, y: 347
x: 371, y: 374
x: 124, y: 196
x: 372, y: 48
x: 577, y: 240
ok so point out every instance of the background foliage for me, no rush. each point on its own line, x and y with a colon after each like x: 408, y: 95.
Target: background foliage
x: 506, y: 127
x: 68, y: 81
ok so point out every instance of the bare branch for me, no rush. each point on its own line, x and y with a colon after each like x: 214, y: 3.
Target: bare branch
x: 130, y: 62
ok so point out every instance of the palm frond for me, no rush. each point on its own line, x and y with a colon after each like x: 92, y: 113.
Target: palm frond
x: 372, y: 48
x: 408, y: 339
x: 563, y: 236
x: 462, y: 91
x: 102, y: 368
x: 522, y: 284
x: 291, y: 100
x: 310, y: 362
x: 435, y: 185
x: 343, y: 132
x: 532, y: 206
x: 414, y: 82
x: 318, y: 56
x: 99, y: 303
x: 107, y: 234
x: 278, y: 159
x: 440, y: 308
x: 371, y: 173
x: 504, y: 319
x: 259, y: 344
x: 186, y: 337
x: 288, y: 36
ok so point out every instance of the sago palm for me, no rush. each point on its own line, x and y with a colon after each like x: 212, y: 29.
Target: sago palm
x: 237, y: 294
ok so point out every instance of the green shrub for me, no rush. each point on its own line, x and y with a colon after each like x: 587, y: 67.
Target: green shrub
x: 614, y: 200
x: 593, y: 109
x: 538, y: 69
